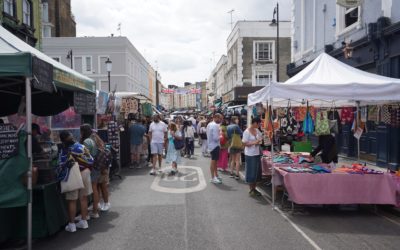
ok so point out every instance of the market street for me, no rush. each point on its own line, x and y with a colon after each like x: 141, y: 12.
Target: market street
x: 179, y: 213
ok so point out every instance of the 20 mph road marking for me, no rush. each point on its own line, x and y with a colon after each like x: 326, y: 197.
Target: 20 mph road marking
x: 200, y: 186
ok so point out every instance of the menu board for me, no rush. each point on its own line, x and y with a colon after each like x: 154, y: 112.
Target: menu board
x: 8, y: 141
x: 42, y: 75
x: 84, y: 103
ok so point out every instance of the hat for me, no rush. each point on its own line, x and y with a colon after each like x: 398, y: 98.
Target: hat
x: 36, y: 127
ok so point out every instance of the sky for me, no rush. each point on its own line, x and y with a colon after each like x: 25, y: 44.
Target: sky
x: 182, y: 39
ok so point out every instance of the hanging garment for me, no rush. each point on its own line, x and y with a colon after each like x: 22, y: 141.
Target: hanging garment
x: 300, y: 113
x: 322, y: 124
x: 308, y: 124
x: 394, y: 111
x: 147, y: 109
x: 334, y: 121
x: 373, y: 114
x: 347, y: 115
x: 364, y: 114
x: 385, y: 114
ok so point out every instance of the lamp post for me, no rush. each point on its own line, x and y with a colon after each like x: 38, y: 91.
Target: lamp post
x: 109, y: 68
x: 70, y: 57
x: 275, y: 22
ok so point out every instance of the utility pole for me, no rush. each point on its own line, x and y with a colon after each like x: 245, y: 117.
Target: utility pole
x: 231, y: 12
x: 157, y: 91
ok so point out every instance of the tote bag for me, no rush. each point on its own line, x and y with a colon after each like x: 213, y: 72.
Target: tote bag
x: 236, y: 141
x: 308, y: 124
x: 322, y: 124
x: 74, y: 181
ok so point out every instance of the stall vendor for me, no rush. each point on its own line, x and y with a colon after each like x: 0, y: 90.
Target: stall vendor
x: 327, y: 147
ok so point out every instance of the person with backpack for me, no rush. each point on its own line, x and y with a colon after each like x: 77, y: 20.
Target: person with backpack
x: 236, y: 146
x: 73, y: 152
x: 88, y: 141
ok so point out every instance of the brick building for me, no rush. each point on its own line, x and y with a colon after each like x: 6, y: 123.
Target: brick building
x: 57, y: 19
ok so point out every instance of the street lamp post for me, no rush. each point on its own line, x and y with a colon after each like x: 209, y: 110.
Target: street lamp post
x: 109, y: 68
x: 275, y: 22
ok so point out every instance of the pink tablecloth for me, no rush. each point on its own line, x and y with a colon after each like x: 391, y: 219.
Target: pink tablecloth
x: 339, y: 188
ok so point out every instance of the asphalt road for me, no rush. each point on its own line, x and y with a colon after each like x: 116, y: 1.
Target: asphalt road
x: 189, y: 212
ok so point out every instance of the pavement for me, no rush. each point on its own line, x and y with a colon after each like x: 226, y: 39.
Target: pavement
x: 188, y: 212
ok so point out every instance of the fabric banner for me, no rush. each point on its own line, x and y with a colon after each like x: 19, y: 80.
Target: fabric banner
x: 12, y: 192
x: 348, y: 3
x: 102, y: 100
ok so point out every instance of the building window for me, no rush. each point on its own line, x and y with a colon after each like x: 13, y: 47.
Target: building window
x: 263, y: 78
x: 263, y: 51
x: 46, y: 31
x: 8, y: 7
x: 351, y: 16
x: 88, y: 64
x: 45, y: 12
x: 26, y: 11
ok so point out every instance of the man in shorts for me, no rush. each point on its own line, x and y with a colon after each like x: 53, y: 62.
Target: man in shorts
x: 213, y: 142
x: 158, y: 134
x: 136, y: 132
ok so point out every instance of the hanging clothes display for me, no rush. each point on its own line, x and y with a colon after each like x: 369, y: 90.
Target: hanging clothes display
x: 373, y: 114
x: 385, y: 114
x: 347, y: 115
x: 147, y: 109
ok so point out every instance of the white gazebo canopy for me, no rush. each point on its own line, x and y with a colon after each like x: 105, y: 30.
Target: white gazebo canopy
x: 329, y: 79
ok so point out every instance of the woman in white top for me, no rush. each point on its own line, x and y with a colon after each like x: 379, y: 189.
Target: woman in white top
x: 252, y: 138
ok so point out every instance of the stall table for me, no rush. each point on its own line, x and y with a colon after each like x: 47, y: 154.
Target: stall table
x: 339, y: 188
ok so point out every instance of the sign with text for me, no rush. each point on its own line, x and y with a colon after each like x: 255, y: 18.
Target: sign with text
x: 8, y: 141
x: 348, y: 3
x: 42, y: 75
x: 84, y: 103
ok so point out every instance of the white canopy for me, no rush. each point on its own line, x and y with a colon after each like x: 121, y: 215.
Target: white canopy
x: 326, y: 78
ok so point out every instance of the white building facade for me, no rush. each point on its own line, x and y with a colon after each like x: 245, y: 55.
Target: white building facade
x: 251, y: 61
x: 130, y: 70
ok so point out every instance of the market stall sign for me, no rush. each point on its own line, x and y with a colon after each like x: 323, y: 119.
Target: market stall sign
x: 42, y: 75
x: 84, y: 103
x: 241, y: 93
x: 72, y: 81
x: 8, y: 141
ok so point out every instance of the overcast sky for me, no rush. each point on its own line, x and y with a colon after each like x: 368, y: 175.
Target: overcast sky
x: 183, y: 39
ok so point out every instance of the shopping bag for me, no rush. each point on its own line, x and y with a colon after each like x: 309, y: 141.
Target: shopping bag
x: 334, y: 121
x: 308, y: 124
x: 322, y: 124
x: 333, y: 126
x: 74, y: 180
x: 236, y: 141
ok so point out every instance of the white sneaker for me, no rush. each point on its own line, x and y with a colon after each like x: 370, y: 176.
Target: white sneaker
x: 216, y: 181
x: 106, y: 206
x: 94, y: 215
x: 79, y: 217
x: 82, y: 224
x: 71, y: 227
x: 152, y: 172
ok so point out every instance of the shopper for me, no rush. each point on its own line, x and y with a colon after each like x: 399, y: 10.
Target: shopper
x: 188, y: 132
x: 252, y: 138
x: 158, y: 134
x: 70, y: 153
x: 136, y: 131
x: 90, y: 144
x: 149, y: 155
x: 235, y: 151
x: 213, y: 143
x: 203, y: 137
x: 223, y: 154
x: 173, y: 155
x: 103, y: 180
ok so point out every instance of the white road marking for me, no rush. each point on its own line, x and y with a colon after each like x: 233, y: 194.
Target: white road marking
x: 200, y: 186
x: 296, y: 227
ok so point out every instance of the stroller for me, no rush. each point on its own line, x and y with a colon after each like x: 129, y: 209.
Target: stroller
x: 115, y: 168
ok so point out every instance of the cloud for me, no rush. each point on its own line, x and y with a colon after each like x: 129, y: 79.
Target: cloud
x: 182, y: 38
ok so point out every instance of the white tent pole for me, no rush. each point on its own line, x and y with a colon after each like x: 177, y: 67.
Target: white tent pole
x: 28, y: 97
x: 272, y: 153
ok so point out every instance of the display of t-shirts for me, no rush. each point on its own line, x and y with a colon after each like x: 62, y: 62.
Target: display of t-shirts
x: 394, y: 111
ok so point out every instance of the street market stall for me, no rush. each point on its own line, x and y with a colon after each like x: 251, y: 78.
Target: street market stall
x: 327, y: 82
x: 33, y: 83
